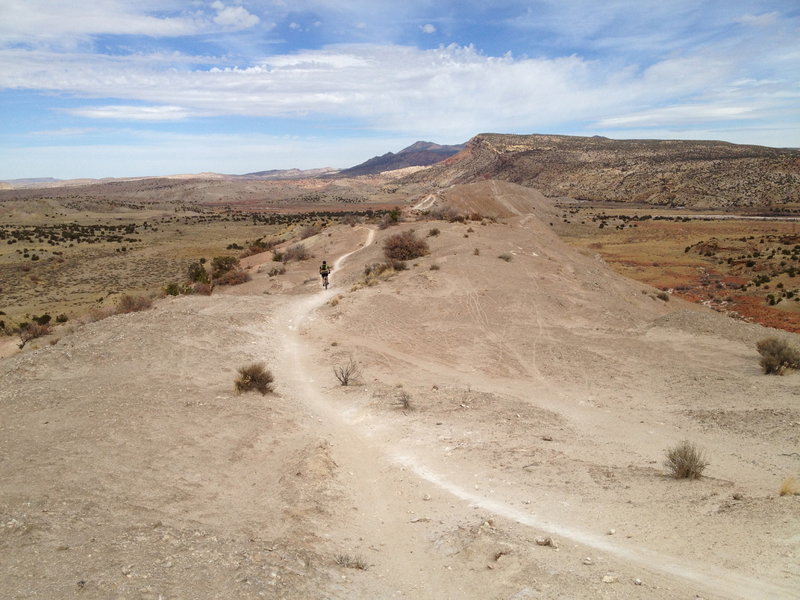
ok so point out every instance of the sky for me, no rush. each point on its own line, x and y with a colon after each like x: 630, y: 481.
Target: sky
x: 126, y: 88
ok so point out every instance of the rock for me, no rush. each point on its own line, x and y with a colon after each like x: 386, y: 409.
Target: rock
x: 426, y: 497
x: 547, y: 438
x: 588, y: 561
x: 546, y: 541
x: 610, y: 578
x: 611, y: 532
x: 637, y: 581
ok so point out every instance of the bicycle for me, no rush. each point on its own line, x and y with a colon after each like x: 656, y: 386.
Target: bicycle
x: 325, y: 281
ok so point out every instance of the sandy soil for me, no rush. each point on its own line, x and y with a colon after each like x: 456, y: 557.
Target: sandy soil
x: 543, y: 392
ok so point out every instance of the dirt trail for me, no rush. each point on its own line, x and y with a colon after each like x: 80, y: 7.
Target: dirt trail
x: 372, y: 467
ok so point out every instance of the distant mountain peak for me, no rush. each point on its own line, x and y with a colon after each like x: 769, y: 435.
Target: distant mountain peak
x: 418, y: 154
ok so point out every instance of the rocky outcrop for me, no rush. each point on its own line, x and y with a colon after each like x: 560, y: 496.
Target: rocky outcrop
x: 665, y: 172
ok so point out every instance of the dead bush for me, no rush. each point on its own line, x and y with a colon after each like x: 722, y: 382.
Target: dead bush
x: 789, y: 487
x: 295, y: 252
x: 403, y: 400
x: 309, y: 230
x: 254, y: 377
x: 31, y: 331
x: 445, y: 212
x: 351, y: 562
x: 404, y: 246
x: 346, y: 373
x: 777, y: 356
x: 685, y: 461
x: 234, y: 277
x: 130, y: 303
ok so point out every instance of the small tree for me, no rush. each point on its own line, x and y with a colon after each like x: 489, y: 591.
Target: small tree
x: 197, y: 273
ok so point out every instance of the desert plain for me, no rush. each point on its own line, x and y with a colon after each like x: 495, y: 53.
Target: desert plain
x: 504, y: 437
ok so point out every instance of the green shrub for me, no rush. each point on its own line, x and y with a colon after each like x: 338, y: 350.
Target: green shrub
x: 777, y: 356
x: 222, y: 264
x: 404, y: 246
x: 685, y: 461
x: 197, y: 273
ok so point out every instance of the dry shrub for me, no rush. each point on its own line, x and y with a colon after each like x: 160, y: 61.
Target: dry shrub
x: 789, y: 487
x: 295, y: 252
x: 203, y: 289
x: 32, y: 331
x: 309, y: 230
x: 254, y: 377
x: 351, y: 562
x: 445, y: 212
x: 433, y: 232
x: 234, y: 277
x: 685, y: 461
x: 277, y: 271
x: 346, y: 373
x: 404, y: 246
x: 777, y: 356
x: 403, y: 400
x: 130, y: 303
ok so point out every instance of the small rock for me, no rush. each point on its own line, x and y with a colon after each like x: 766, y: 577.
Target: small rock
x: 610, y: 578
x: 738, y: 496
x: 637, y: 581
x: 588, y: 561
x: 546, y: 541
x: 426, y: 497
x: 547, y: 438
x: 611, y: 532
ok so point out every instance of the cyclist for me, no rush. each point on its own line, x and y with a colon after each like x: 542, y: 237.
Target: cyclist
x: 324, y: 271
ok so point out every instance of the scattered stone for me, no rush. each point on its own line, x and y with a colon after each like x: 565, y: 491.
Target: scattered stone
x: 588, y: 561
x: 637, y: 581
x: 546, y: 541
x: 420, y: 520
x: 547, y: 438
x: 610, y: 578
x: 738, y: 496
x: 426, y: 497
x: 611, y: 532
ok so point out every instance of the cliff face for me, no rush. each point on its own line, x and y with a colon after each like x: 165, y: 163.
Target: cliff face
x: 667, y: 172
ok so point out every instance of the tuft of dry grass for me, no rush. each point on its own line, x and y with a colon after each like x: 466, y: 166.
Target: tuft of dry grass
x: 254, y: 377
x: 789, y: 487
x: 403, y: 400
x: 685, y: 461
x: 351, y: 562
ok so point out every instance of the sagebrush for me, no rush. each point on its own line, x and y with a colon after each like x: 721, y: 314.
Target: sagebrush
x: 685, y: 461
x: 777, y: 356
x: 254, y: 377
x: 405, y: 246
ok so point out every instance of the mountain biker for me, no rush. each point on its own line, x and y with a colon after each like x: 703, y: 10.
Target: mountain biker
x: 324, y: 271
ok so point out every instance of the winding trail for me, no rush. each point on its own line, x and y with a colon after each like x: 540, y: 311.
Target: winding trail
x: 378, y: 475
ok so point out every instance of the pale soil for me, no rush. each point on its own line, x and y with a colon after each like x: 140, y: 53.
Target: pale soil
x: 543, y: 394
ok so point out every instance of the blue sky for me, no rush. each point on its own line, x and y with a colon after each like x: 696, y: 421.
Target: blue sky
x: 117, y: 88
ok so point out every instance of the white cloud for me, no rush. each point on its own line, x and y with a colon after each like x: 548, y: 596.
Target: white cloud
x: 762, y: 20
x: 132, y: 113
x: 453, y: 91
x: 234, y: 17
x: 428, y: 28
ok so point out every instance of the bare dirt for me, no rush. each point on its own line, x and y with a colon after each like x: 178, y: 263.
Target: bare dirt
x: 541, y: 393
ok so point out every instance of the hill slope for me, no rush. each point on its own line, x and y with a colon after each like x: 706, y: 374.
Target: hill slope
x: 419, y: 154
x: 541, y: 393
x: 680, y: 173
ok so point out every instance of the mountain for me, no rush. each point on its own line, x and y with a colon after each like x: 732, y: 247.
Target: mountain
x: 665, y: 172
x: 418, y: 154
